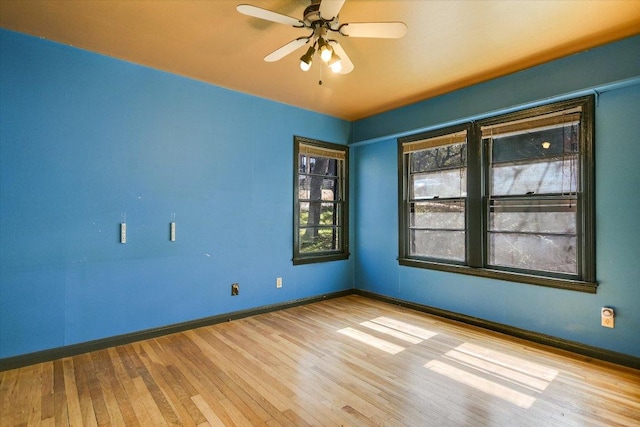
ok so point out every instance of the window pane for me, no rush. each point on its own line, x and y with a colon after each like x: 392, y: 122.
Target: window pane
x: 329, y: 187
x: 533, y: 216
x: 448, y: 215
x: 445, y: 245
x: 535, y: 143
x: 544, y: 252
x: 316, y: 213
x: 441, y: 157
x: 445, y: 183
x: 319, y: 239
x: 535, y: 161
x: 317, y: 188
x: 317, y: 165
x: 545, y: 176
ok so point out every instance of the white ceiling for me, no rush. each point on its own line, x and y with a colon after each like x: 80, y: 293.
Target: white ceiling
x: 449, y: 44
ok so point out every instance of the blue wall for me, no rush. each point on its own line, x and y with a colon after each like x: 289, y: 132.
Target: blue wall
x: 85, y: 139
x: 575, y: 316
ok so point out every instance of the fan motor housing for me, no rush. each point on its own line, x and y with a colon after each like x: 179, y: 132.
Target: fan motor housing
x: 312, y: 16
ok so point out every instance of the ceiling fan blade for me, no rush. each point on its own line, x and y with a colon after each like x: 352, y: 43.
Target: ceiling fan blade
x: 347, y: 65
x: 382, y: 30
x: 258, y: 12
x: 329, y: 9
x: 286, y: 49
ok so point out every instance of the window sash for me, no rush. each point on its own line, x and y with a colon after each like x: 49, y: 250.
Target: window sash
x: 434, y: 201
x: 527, y: 229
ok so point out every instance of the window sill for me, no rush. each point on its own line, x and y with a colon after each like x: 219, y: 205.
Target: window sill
x: 319, y: 258
x: 550, y: 282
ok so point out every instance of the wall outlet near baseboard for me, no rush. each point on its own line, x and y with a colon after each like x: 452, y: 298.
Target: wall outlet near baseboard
x: 279, y: 282
x: 235, y: 289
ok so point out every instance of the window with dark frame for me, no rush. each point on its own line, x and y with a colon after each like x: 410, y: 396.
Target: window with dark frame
x: 437, y: 191
x: 320, y: 200
x: 524, y: 210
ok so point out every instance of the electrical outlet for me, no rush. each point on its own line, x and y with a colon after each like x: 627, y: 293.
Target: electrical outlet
x: 607, y: 316
x: 279, y: 282
x: 235, y: 289
x: 123, y: 232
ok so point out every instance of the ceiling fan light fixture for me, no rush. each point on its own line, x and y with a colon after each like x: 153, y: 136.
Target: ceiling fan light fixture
x: 335, y: 63
x: 305, y: 66
x: 325, y: 50
x: 321, y: 18
x: 306, y: 60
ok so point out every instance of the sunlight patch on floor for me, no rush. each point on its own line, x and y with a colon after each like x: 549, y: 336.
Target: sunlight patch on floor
x: 501, y: 372
x: 392, y: 332
x: 510, y: 366
x: 406, y: 328
x: 498, y: 390
x: 371, y: 340
x: 506, y: 369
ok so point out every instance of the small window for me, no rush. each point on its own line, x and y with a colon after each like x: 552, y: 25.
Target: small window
x: 320, y: 201
x: 509, y: 197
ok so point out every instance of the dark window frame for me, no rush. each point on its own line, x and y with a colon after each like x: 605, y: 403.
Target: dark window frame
x: 477, y: 203
x: 405, y: 199
x: 342, y: 214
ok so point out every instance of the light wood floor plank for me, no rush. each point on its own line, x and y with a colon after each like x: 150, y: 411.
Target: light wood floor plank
x: 60, y: 414
x: 143, y: 395
x: 47, y: 399
x: 350, y: 361
x: 34, y: 397
x: 208, y: 413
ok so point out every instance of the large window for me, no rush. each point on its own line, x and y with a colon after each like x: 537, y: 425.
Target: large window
x: 321, y: 201
x: 509, y: 197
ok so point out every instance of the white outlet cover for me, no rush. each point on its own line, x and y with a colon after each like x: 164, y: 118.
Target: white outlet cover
x: 607, y: 317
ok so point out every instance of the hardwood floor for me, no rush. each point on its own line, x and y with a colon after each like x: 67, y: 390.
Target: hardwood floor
x: 346, y: 361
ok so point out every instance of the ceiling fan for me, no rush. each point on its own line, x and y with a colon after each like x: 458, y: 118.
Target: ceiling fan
x: 321, y: 17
